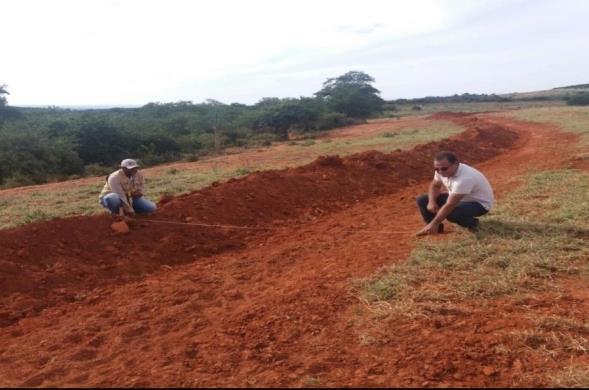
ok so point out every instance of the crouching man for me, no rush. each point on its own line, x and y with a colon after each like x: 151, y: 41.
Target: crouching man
x: 469, y: 195
x: 124, y: 190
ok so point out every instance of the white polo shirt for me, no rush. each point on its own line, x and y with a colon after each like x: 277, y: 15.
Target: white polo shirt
x: 470, y: 182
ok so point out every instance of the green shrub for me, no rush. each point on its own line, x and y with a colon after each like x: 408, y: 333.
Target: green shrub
x: 97, y: 170
x: 579, y: 99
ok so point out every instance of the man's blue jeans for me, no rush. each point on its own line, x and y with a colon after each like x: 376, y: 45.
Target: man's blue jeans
x: 464, y: 214
x: 141, y: 205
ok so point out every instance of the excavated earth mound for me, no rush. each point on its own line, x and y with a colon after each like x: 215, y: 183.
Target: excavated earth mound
x: 63, y: 259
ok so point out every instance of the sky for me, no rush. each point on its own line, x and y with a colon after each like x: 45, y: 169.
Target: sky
x: 132, y: 52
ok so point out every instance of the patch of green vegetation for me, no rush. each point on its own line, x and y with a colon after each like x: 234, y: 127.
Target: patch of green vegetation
x: 36, y: 215
x: 404, y: 110
x: 17, y: 210
x: 527, y: 241
x: 569, y: 119
x: 388, y: 141
x: 242, y: 171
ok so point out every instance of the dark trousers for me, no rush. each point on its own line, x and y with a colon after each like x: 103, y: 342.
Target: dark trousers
x: 464, y: 214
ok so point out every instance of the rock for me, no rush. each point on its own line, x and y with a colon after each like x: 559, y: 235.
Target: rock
x: 190, y: 248
x: 112, y: 249
x: 120, y: 227
x: 23, y: 252
x: 60, y: 291
x: 233, y: 294
x: 79, y: 297
x: 488, y: 370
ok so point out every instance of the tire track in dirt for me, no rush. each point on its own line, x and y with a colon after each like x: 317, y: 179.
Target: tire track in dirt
x: 275, y: 312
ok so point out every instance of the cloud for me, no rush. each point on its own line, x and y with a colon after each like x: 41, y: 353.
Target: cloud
x: 360, y: 30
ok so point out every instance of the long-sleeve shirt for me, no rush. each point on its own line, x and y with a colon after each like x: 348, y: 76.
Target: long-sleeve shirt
x: 123, y: 186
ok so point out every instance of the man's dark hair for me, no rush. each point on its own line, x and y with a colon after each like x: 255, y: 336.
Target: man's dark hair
x: 445, y: 155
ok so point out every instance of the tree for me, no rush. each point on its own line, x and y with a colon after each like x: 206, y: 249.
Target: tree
x: 579, y: 99
x: 289, y: 113
x: 3, y: 103
x: 99, y: 142
x: 3, y: 92
x: 352, y: 94
x: 29, y: 159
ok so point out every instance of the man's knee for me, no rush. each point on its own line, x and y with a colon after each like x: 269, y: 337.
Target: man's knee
x: 151, y: 207
x: 453, y: 218
x: 422, y: 200
x: 112, y: 200
x: 464, y: 220
x: 144, y: 206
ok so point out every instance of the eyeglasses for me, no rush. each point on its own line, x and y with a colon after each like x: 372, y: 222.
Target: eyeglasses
x: 441, y: 169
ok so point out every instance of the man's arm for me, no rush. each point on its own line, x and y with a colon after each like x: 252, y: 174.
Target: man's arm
x: 138, y: 184
x: 444, y: 211
x: 116, y: 187
x: 434, y: 191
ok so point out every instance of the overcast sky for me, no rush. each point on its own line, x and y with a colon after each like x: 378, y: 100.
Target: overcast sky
x: 131, y: 52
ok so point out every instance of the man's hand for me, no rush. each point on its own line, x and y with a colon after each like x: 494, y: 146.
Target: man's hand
x: 136, y: 194
x: 431, y: 228
x: 433, y: 207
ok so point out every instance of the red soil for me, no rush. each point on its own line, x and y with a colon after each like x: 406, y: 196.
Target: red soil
x: 185, y: 305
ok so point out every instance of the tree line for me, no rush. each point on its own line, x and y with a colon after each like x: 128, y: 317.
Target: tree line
x: 45, y: 144
x: 463, y: 98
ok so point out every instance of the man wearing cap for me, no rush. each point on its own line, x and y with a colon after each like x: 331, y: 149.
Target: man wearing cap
x: 124, y: 188
x: 469, y: 195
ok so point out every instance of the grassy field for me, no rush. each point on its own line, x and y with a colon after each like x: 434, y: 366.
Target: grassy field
x: 533, y: 242
x: 568, y: 118
x: 430, y: 108
x: 17, y: 209
x: 525, y: 242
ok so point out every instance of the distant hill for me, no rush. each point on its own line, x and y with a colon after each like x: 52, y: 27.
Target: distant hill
x: 578, y: 86
x: 559, y: 93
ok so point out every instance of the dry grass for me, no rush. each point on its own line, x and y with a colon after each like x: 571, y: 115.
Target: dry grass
x: 520, y: 249
x: 574, y: 376
x: 404, y: 110
x: 567, y: 118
